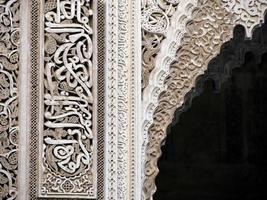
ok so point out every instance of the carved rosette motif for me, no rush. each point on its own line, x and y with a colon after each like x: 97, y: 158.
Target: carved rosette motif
x: 68, y: 168
x: 156, y: 16
x: 9, y: 70
x: 212, y: 26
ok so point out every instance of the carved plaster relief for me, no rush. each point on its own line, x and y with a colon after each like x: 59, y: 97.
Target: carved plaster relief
x: 159, y: 18
x: 220, y: 69
x: 248, y: 13
x: 156, y: 17
x: 210, y: 23
x: 9, y: 70
x: 179, y: 38
x: 165, y: 56
x: 123, y: 97
x: 69, y: 132
x: 204, y: 35
x: 64, y: 100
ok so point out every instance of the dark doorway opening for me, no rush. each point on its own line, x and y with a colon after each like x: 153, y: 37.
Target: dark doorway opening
x: 218, y: 149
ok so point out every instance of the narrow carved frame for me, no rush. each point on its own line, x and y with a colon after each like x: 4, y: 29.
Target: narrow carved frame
x: 123, y: 100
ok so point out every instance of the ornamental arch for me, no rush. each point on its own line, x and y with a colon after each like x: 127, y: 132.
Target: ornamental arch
x: 215, y: 129
x: 180, y: 61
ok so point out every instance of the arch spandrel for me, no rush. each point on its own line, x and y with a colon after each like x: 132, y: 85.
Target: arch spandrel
x: 211, y: 26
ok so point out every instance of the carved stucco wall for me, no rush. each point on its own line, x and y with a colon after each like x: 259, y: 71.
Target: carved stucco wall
x: 69, y: 99
x: 183, y: 57
x: 119, y: 87
x: 59, y: 82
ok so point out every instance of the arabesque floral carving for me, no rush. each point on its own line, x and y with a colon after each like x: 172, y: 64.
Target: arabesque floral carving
x: 248, y: 13
x: 9, y: 70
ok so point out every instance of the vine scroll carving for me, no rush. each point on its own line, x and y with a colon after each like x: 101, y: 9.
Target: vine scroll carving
x: 9, y: 70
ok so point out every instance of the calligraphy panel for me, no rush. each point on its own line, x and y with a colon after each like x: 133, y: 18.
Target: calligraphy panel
x: 68, y: 140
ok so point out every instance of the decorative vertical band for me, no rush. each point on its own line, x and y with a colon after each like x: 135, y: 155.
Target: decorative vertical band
x: 64, y: 99
x: 9, y: 95
x: 123, y: 100
x: 101, y: 96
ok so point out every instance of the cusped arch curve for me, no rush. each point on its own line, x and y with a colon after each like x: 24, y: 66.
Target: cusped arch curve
x: 179, y: 64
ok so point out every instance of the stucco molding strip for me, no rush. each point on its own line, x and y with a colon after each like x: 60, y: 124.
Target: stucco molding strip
x: 123, y: 100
